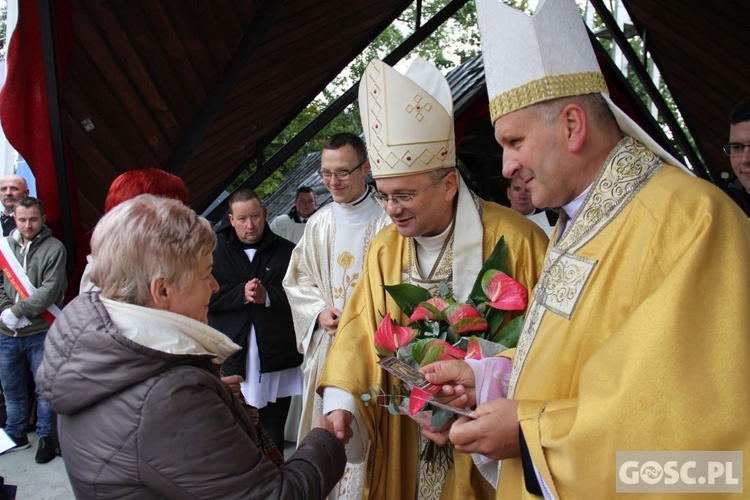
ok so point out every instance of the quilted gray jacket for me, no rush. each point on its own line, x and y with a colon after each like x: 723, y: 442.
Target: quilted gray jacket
x: 137, y: 423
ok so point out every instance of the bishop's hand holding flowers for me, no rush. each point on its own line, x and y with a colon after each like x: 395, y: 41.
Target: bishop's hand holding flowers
x: 440, y: 329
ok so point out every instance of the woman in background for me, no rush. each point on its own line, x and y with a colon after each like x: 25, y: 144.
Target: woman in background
x: 127, y: 186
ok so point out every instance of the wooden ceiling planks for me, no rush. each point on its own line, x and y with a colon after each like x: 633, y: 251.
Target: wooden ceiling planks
x: 142, y: 70
x: 107, y: 74
x: 161, y: 68
x: 166, y: 34
x: 269, y: 71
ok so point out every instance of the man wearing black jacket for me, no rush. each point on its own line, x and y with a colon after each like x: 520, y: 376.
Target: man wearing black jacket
x: 252, y: 309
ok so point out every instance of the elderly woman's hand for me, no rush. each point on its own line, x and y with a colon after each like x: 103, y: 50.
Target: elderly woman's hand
x: 339, y: 422
x: 233, y: 381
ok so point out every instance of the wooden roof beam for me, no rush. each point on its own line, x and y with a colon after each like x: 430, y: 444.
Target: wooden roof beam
x: 53, y: 84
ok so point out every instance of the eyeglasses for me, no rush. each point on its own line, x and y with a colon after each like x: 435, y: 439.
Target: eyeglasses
x: 341, y: 175
x: 735, y: 148
x: 404, y: 199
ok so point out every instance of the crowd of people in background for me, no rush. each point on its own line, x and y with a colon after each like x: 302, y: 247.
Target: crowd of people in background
x: 172, y: 373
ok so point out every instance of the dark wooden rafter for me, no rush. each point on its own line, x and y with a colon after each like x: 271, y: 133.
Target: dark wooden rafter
x: 336, y: 107
x: 52, y: 81
x: 229, y: 75
x: 681, y: 139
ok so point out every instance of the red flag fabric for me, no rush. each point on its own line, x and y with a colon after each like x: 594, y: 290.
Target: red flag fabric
x: 24, y: 107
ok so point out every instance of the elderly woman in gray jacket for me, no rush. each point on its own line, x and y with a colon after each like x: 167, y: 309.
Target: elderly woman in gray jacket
x: 133, y: 375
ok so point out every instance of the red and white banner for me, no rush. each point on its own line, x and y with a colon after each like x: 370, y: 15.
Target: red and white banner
x: 15, y: 274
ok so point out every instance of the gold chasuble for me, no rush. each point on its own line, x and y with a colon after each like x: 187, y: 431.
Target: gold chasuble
x: 392, y: 469
x: 638, y: 336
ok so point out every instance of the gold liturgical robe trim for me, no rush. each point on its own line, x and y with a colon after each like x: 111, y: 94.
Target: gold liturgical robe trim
x: 351, y: 365
x: 639, y: 335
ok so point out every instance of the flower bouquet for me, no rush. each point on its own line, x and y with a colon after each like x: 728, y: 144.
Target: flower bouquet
x: 440, y: 328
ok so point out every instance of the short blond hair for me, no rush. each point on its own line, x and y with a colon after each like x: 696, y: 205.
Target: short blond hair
x: 144, y: 238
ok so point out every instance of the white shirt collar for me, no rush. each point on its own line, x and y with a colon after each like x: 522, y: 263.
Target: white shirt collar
x: 572, y: 208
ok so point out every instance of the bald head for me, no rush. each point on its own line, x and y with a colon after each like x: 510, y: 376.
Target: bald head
x: 12, y: 188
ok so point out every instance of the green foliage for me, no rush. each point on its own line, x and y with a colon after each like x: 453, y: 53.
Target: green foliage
x: 452, y: 44
x: 347, y: 121
x: 432, y: 354
x: 495, y: 318
x: 391, y: 401
x: 440, y: 418
x: 498, y: 259
x: 407, y: 296
x: 508, y: 336
x: 418, y: 349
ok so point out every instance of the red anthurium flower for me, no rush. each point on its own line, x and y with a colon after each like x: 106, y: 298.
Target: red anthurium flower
x: 474, y: 349
x: 429, y: 309
x: 417, y: 400
x: 463, y: 319
x: 389, y: 336
x: 503, y: 291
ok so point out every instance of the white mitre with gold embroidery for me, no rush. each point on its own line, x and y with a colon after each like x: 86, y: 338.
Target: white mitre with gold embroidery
x: 407, y: 119
x: 532, y: 59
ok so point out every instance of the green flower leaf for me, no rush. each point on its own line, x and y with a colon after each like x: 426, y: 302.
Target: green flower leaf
x: 450, y: 336
x: 418, y: 350
x: 432, y: 354
x: 497, y: 260
x: 407, y: 296
x: 508, y: 336
x: 433, y: 329
x: 495, y: 319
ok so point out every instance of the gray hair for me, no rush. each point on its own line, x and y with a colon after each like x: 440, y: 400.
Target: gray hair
x: 144, y: 238
x: 441, y: 172
x: 594, y: 104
